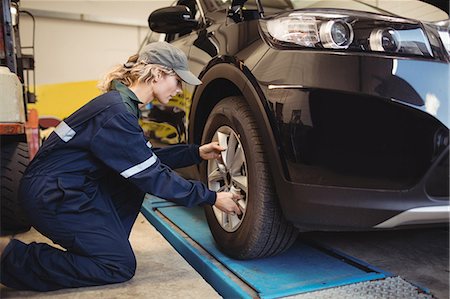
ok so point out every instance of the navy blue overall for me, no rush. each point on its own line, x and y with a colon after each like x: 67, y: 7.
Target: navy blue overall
x: 84, y: 190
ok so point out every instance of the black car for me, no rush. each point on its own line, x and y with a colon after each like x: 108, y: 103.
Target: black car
x: 334, y: 114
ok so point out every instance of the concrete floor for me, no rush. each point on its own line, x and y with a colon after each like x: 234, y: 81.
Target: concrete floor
x: 161, y: 272
x: 420, y: 256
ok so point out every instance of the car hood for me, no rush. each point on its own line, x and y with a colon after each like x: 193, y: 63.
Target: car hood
x: 411, y: 9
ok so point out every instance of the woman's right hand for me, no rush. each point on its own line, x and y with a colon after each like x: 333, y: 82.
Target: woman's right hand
x: 226, y: 202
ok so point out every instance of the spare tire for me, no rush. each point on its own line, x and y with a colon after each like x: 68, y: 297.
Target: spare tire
x: 14, y: 161
x: 261, y: 230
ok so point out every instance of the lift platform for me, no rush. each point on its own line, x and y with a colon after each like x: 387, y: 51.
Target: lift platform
x: 305, y: 267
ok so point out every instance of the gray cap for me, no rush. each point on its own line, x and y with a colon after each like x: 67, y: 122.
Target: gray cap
x: 165, y: 54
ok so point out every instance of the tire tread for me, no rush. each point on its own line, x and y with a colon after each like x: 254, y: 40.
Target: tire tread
x: 13, y: 165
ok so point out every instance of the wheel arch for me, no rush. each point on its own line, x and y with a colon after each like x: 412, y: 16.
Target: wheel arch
x: 223, y: 78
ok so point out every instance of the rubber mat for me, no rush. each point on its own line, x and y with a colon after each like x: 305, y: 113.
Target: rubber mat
x: 302, y: 268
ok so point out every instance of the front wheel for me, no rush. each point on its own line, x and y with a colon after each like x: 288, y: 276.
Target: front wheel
x: 261, y: 230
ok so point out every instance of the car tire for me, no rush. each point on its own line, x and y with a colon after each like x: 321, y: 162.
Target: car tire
x: 262, y: 230
x: 14, y: 161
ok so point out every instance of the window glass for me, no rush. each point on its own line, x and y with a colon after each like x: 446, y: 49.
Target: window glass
x: 213, y: 5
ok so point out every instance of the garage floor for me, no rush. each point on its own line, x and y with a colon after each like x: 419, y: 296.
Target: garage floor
x: 420, y: 256
x: 161, y: 272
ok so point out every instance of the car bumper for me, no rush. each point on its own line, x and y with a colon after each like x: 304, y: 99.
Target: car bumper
x: 311, y: 207
x: 326, y: 196
x: 425, y: 215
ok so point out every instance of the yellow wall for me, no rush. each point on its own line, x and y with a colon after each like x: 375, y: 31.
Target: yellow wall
x: 61, y: 100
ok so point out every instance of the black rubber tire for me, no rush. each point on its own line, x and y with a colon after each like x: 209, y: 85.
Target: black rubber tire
x: 264, y: 230
x: 14, y: 161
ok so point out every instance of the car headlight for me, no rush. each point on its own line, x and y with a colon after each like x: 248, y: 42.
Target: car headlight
x: 336, y: 34
x: 384, y: 40
x: 347, y: 30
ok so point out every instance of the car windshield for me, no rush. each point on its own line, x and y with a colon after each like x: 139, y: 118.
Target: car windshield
x: 413, y: 9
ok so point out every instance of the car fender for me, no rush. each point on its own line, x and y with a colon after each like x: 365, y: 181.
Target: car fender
x: 234, y: 78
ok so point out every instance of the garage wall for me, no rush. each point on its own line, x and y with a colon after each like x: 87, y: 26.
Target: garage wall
x: 76, y: 42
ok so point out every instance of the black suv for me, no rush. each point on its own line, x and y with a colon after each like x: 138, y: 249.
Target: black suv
x: 334, y: 117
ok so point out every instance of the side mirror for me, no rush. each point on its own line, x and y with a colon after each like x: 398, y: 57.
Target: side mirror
x: 174, y: 19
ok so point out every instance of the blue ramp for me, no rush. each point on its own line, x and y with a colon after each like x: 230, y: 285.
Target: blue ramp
x: 302, y: 268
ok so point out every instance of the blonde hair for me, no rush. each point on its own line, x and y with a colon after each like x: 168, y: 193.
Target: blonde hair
x: 133, y: 71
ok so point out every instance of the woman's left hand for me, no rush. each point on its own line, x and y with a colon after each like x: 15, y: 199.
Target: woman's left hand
x: 210, y: 151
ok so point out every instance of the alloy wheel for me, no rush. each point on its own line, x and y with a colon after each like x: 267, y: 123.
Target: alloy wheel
x: 229, y: 174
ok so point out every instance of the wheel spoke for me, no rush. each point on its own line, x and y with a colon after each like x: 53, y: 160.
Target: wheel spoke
x: 215, y: 175
x: 237, y: 161
x: 222, y: 189
x: 223, y: 143
x: 242, y: 205
x: 234, y: 221
x: 241, y: 182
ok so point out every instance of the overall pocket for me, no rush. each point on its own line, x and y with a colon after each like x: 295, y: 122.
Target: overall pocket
x: 79, y: 195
